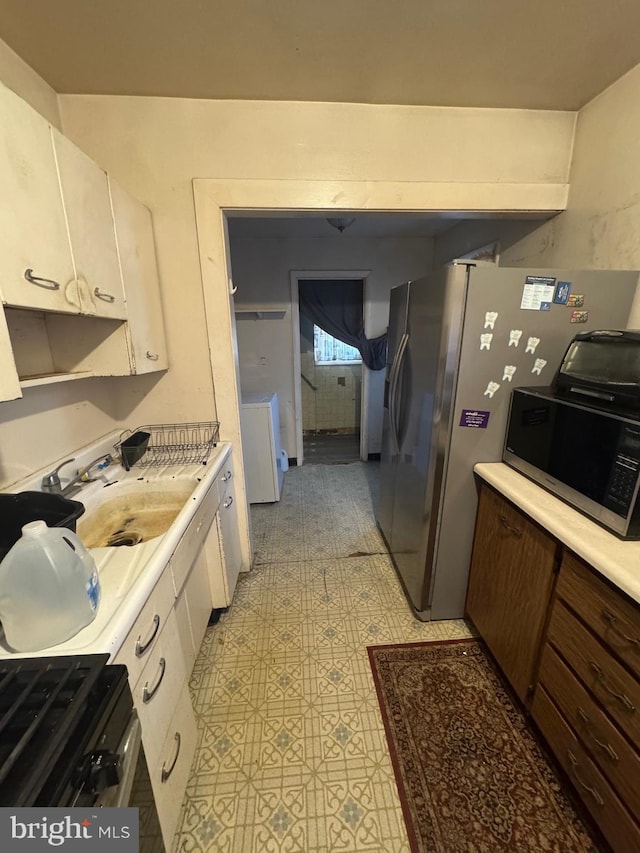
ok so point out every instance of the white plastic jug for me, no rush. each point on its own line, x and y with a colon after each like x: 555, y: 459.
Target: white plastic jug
x: 49, y: 588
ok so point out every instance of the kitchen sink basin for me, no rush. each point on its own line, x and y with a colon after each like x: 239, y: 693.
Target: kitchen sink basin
x: 132, y: 513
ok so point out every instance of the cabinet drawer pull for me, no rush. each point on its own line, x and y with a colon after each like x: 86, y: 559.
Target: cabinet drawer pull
x: 613, y: 622
x: 626, y: 703
x: 226, y: 477
x: 49, y: 283
x: 227, y: 503
x: 589, y: 730
x: 575, y: 767
x: 509, y: 527
x: 141, y: 647
x: 147, y: 695
x: 152, y: 356
x: 167, y: 772
x: 102, y: 294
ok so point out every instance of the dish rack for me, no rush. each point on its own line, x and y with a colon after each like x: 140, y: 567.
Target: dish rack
x: 168, y: 444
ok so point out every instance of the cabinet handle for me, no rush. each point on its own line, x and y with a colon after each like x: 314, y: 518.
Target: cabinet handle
x: 102, y: 294
x: 226, y: 477
x: 575, y: 767
x: 589, y: 730
x: 613, y: 622
x: 147, y: 695
x: 226, y: 504
x: 152, y: 356
x: 626, y: 703
x: 49, y: 283
x: 510, y: 527
x: 167, y: 772
x: 141, y: 647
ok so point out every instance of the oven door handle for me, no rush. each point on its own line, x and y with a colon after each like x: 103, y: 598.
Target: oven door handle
x: 128, y: 750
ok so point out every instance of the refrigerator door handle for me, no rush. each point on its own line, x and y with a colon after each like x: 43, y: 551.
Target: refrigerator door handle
x: 395, y: 373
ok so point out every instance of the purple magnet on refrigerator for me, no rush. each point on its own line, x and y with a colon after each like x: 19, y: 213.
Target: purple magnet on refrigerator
x: 474, y: 418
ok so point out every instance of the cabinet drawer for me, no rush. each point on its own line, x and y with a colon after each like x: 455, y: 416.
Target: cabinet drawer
x: 607, y: 680
x: 193, y: 537
x: 614, y: 618
x: 161, y: 683
x: 225, y: 477
x: 142, y: 638
x: 617, y: 825
x: 611, y: 751
x: 170, y: 774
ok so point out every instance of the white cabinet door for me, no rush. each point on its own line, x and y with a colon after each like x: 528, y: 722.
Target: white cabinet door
x: 230, y: 541
x: 85, y: 194
x: 33, y: 232
x: 170, y: 775
x: 198, y: 596
x: 9, y: 379
x: 136, y: 250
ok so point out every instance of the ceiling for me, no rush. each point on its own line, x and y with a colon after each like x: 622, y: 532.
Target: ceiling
x: 540, y: 54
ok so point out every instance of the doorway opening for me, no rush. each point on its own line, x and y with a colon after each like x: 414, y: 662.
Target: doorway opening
x: 330, y: 372
x: 342, y: 435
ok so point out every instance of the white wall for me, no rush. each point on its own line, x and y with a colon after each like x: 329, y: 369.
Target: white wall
x: 600, y: 228
x: 261, y: 272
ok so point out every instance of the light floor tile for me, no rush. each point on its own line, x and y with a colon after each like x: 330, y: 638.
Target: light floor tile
x: 292, y: 754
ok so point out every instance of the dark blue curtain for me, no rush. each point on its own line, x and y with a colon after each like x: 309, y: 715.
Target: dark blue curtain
x: 337, y: 307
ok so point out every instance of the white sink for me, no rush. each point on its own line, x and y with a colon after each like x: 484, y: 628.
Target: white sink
x: 128, y: 513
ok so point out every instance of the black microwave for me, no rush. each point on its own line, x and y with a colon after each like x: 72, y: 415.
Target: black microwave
x: 586, y: 456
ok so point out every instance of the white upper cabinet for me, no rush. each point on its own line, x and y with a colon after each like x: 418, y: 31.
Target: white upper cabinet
x: 137, y: 253
x: 9, y: 380
x: 34, y: 243
x: 85, y: 194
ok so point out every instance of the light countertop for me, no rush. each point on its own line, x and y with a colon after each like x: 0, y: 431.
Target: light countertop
x: 616, y: 559
x: 129, y: 574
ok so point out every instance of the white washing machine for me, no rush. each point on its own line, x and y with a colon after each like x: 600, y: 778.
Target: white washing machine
x: 263, y: 458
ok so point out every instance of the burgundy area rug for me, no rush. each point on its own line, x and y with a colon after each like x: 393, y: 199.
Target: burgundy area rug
x: 469, y: 771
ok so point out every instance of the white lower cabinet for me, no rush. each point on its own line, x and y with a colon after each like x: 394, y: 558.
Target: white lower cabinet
x: 161, y: 648
x: 170, y: 774
x: 155, y: 692
x: 229, y: 535
x: 197, y: 596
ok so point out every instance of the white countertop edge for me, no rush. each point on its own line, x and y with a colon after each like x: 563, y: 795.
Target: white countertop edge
x: 114, y: 619
x: 614, y: 558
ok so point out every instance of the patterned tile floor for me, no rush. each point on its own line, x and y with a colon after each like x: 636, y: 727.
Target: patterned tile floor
x: 292, y: 754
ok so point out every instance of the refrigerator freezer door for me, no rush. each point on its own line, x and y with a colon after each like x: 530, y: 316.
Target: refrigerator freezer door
x: 399, y: 301
x: 425, y: 377
x: 505, y: 345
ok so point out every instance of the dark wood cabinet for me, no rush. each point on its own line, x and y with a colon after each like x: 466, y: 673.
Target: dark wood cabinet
x: 587, y: 700
x: 568, y: 641
x: 513, y: 568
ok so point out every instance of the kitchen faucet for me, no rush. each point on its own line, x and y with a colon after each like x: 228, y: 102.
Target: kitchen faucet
x: 51, y: 482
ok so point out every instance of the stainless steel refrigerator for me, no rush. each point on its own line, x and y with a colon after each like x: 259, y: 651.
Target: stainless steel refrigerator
x: 459, y: 341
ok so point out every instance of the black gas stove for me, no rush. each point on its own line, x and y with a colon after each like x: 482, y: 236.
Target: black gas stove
x: 54, y: 714
x: 69, y: 736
